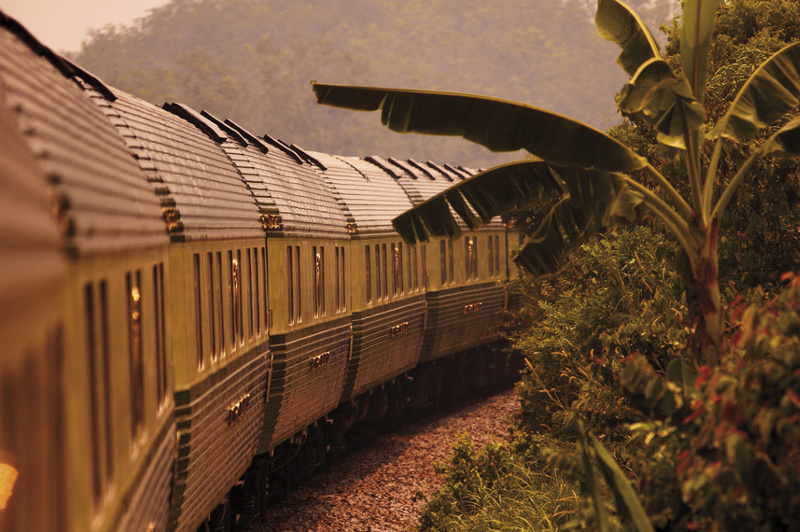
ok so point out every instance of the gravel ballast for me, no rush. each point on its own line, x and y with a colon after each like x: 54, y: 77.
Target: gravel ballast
x: 384, y: 483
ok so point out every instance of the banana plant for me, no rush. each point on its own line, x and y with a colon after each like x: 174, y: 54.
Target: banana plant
x: 593, y: 179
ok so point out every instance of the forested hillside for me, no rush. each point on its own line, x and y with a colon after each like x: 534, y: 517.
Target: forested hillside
x: 252, y: 60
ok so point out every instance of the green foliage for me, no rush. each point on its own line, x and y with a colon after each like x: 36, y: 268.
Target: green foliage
x: 755, y: 247
x: 496, y: 489
x: 617, y: 296
x: 728, y: 458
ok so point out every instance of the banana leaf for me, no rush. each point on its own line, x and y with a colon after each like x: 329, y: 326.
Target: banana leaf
x: 772, y: 91
x: 499, y: 125
x: 596, y: 200
x: 618, y: 23
x: 697, y: 30
x: 478, y: 199
x: 785, y: 142
x: 653, y: 95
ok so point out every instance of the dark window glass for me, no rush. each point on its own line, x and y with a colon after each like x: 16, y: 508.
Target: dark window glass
x: 298, y: 285
x: 368, y: 278
x: 491, y: 256
x: 212, y: 317
x: 221, y: 309
x: 424, y: 258
x: 94, y: 406
x: 198, y: 309
x: 135, y: 337
x: 395, y: 267
x: 250, y: 299
x: 452, y: 276
x: 400, y: 268
x: 378, y: 294
x: 257, y: 291
x: 497, y: 255
x: 385, y: 272
x: 474, y: 257
x: 290, y: 283
x: 105, y: 345
x: 443, y: 252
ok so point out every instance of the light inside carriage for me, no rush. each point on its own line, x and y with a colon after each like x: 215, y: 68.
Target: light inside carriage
x: 8, y: 476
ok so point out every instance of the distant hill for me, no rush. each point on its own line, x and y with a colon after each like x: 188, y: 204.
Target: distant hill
x: 252, y: 60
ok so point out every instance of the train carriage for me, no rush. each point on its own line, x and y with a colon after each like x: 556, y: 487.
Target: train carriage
x: 464, y: 299
x: 109, y: 462
x: 308, y: 264
x: 387, y: 296
x: 221, y: 357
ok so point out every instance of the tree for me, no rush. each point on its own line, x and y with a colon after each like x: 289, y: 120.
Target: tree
x: 596, y: 179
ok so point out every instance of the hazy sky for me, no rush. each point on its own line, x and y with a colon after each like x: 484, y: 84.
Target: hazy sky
x: 64, y: 24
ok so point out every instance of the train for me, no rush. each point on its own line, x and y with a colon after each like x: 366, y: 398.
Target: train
x: 193, y: 315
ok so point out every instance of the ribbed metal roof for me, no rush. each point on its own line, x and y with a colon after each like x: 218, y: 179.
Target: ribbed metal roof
x: 101, y: 198
x: 422, y: 181
x: 371, y: 195
x: 428, y: 181
x: 291, y: 194
x: 202, y: 195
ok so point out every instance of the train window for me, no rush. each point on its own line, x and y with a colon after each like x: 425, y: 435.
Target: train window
x: 497, y: 254
x: 298, y: 284
x: 385, y: 272
x: 415, y: 266
x: 158, y: 314
x: 212, y: 308
x: 424, y: 258
x: 322, y: 279
x: 343, y: 281
x: 474, y: 257
x: 443, y: 252
x: 377, y: 272
x: 290, y: 283
x: 294, y: 283
x: 491, y: 256
x: 451, y: 271
x: 410, y: 268
x: 238, y: 279
x: 264, y: 287
x: 395, y: 268
x: 105, y: 345
x: 250, y: 300
x: 257, y: 291
x: 221, y: 313
x: 319, y: 280
x: 399, y: 260
x: 337, y: 294
x: 233, y: 280
x: 135, y: 344
x: 368, y: 275
x: 339, y: 279
x: 95, y: 445
x: 468, y: 256
x: 198, y: 310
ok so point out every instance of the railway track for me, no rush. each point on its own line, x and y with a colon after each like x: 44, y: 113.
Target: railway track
x: 382, y: 483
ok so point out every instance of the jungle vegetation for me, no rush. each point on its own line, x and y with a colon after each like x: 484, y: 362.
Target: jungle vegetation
x: 635, y: 342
